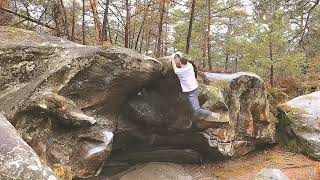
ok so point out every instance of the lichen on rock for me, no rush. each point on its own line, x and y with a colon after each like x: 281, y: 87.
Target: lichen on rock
x: 299, y: 124
x: 17, y: 159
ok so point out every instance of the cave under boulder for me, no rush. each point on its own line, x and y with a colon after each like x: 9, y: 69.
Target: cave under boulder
x: 299, y: 124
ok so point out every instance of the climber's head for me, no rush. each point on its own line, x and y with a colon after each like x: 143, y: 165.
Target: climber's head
x: 177, y: 59
x: 183, y: 61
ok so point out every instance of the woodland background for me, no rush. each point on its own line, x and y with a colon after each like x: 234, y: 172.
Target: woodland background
x: 277, y: 39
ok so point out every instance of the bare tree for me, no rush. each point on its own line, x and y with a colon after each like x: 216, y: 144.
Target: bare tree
x: 83, y: 22
x: 93, y: 4
x: 146, y: 11
x: 162, y: 9
x: 227, y: 43
x: 5, y: 17
x: 316, y: 3
x: 73, y: 23
x: 126, y: 33
x: 105, y: 23
x: 190, y: 26
x: 65, y: 19
x: 204, y: 49
x: 208, y: 35
x: 272, y: 65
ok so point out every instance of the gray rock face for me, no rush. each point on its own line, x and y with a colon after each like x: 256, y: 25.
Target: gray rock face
x: 268, y: 174
x: 60, y: 95
x: 73, y: 104
x: 299, y: 122
x: 17, y: 159
x: 154, y: 171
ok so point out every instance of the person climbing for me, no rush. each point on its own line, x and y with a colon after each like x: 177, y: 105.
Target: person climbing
x: 189, y: 85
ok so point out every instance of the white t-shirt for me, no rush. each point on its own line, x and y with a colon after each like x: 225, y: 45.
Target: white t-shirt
x: 187, y: 78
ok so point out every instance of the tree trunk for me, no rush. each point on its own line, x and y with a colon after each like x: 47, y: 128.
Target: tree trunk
x: 236, y: 66
x: 155, y: 47
x: 271, y: 66
x: 142, y: 24
x: 126, y: 33
x: 73, y: 20
x: 56, y: 13
x: 190, y: 26
x: 117, y: 34
x: 147, y: 47
x: 109, y: 32
x: 226, y: 62
x: 93, y: 4
x: 227, y: 43
x: 162, y: 8
x: 166, y: 38
x: 132, y: 33
x: 5, y: 17
x: 105, y: 23
x: 141, y: 42
x: 204, y: 50
x: 65, y: 19
x: 208, y: 36
x: 135, y: 23
x: 83, y: 22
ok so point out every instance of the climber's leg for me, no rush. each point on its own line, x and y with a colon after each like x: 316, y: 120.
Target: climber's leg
x: 201, y: 116
x: 193, y: 101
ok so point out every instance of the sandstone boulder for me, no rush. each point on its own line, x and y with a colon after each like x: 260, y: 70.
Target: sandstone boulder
x: 156, y: 122
x: 243, y: 98
x: 64, y: 98
x: 75, y: 104
x: 299, y: 124
x: 17, y: 159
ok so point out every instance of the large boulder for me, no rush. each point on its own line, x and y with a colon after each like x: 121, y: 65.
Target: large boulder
x: 74, y: 104
x: 299, y: 124
x: 64, y: 98
x: 17, y: 159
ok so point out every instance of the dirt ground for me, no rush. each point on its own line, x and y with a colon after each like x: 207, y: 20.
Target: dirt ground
x: 295, y: 166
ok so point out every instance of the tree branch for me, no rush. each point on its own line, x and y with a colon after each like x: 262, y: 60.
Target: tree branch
x: 307, y: 21
x: 27, y: 18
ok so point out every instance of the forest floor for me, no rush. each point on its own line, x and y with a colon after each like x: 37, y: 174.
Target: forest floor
x: 295, y: 166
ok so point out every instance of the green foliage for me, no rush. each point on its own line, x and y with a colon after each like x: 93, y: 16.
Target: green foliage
x: 272, y: 33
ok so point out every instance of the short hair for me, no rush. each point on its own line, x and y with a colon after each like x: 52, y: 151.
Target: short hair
x: 184, y: 61
x: 177, y: 56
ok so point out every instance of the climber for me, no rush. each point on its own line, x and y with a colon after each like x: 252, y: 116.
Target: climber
x: 187, y: 76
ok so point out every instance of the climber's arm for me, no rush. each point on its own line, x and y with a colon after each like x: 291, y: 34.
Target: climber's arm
x: 174, y: 66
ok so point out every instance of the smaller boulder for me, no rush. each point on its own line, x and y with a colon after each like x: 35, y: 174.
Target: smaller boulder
x: 271, y: 174
x: 17, y: 158
x: 299, y: 124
